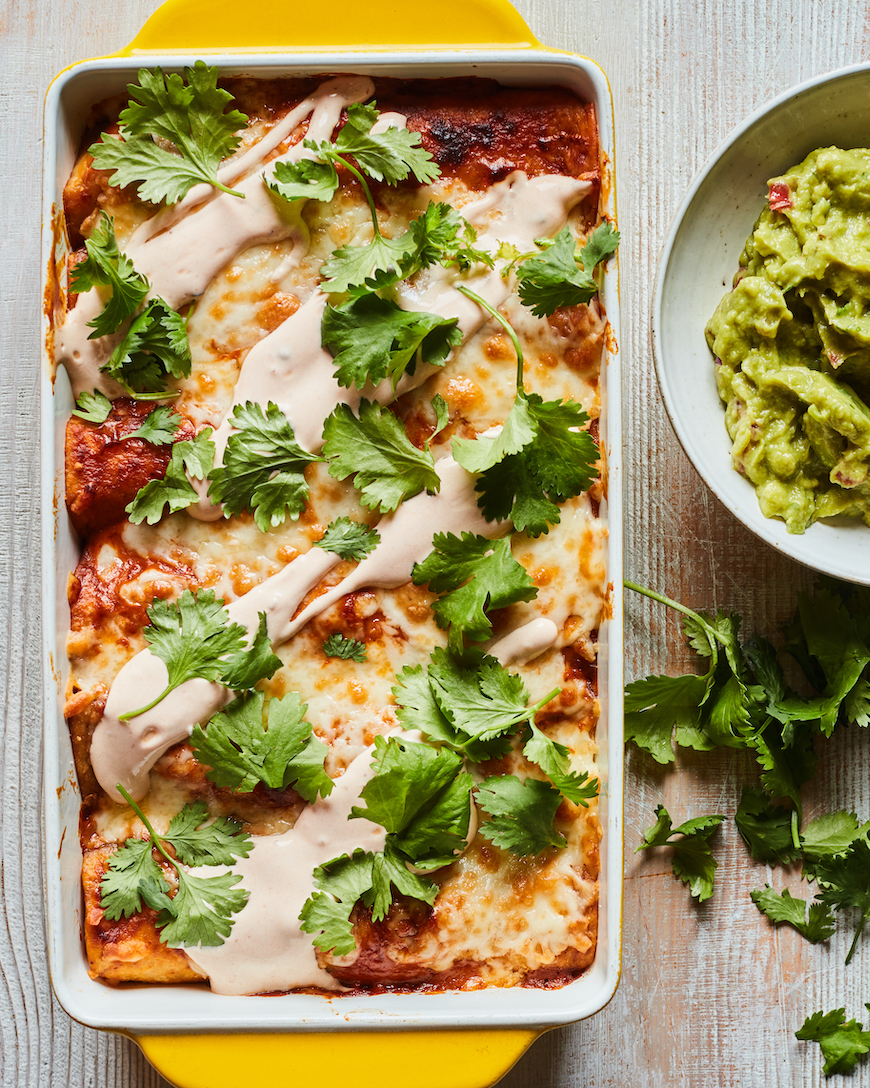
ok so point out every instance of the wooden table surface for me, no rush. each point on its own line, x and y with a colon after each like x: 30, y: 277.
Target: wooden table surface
x: 709, y: 996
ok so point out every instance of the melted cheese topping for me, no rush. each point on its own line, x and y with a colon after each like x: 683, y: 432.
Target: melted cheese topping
x: 255, y: 334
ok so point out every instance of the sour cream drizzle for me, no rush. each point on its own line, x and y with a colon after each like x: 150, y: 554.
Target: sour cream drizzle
x: 267, y: 949
x: 291, y: 368
x: 125, y: 751
x: 183, y: 248
x: 525, y: 643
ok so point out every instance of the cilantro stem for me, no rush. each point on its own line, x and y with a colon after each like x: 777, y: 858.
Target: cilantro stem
x: 660, y: 597
x: 796, y: 828
x: 367, y: 193
x: 156, y: 840
x: 224, y: 189
x: 532, y: 710
x: 135, y: 713
x: 503, y: 321
x: 854, y: 944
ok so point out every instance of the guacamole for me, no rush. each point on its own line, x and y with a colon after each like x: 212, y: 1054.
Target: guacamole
x: 792, y: 344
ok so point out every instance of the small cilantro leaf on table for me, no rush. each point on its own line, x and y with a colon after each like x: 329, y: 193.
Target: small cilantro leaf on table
x: 94, y: 407
x: 842, y: 1041
x: 374, y: 448
x: 195, y: 638
x: 106, y: 266
x: 347, y: 649
x: 371, y: 339
x: 765, y: 828
x: 191, y: 114
x: 692, y: 859
x: 174, y: 491
x: 472, y: 575
x: 159, y: 427
x: 554, y: 279
x: 263, y: 467
x: 349, y: 539
x: 241, y: 750
x: 817, y: 926
x: 200, y: 912
x: 522, y: 814
x: 154, y: 348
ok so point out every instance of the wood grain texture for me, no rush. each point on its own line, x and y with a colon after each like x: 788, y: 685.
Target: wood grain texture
x: 709, y: 997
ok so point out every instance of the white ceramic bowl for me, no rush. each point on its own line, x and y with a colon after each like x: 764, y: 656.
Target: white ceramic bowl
x: 697, y: 265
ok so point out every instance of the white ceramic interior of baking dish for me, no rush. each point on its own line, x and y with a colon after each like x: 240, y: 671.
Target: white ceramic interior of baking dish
x: 195, y: 1008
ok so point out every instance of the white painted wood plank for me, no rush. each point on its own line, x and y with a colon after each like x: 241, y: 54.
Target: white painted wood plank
x: 709, y: 997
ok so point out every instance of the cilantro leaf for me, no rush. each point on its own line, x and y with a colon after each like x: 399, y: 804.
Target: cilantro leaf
x: 326, y: 914
x: 241, y: 752
x: 654, y: 706
x: 391, y: 155
x: 217, y: 843
x: 523, y: 814
x: 202, y: 908
x: 844, y: 881
x: 191, y: 117
x: 442, y: 236
x: 348, y: 649
x: 372, y: 338
x: 106, y: 266
x: 765, y: 828
x: 842, y: 1041
x: 554, y: 760
x: 159, y: 427
x: 194, y: 637
x: 818, y: 926
x: 200, y: 912
x: 94, y: 407
x: 692, y: 859
x: 378, y: 263
x: 349, y: 539
x: 132, y: 878
x: 557, y: 462
x: 553, y: 279
x: 831, y: 834
x: 263, y: 467
x: 253, y: 663
x: 472, y: 575
x: 375, y: 447
x: 304, y: 180
x: 154, y: 348
x: 174, y: 490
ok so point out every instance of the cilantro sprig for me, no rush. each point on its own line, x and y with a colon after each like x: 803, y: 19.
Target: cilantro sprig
x: 472, y: 575
x: 201, y: 911
x: 554, y: 279
x: 375, y: 449
x: 347, y: 649
x: 189, y: 113
x: 843, y: 1041
x: 542, y: 456
x: 263, y: 467
x: 692, y: 859
x: 422, y: 797
x: 160, y: 427
x: 94, y: 407
x: 154, y: 349
x: 522, y: 814
x: 106, y: 266
x: 173, y: 491
x: 195, y: 638
x: 242, y: 750
x: 349, y: 539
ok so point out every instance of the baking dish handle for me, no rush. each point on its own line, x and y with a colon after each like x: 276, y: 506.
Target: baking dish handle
x: 431, y: 1059
x: 264, y: 25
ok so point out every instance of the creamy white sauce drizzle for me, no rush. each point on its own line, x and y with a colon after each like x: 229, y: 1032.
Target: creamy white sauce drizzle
x: 290, y: 367
x: 525, y: 643
x: 196, y: 239
x: 267, y: 949
x: 124, y: 751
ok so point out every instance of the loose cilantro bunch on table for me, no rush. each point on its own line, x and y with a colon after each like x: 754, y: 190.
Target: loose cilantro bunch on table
x: 843, y: 1041
x: 195, y: 638
x: 190, y: 113
x: 200, y: 912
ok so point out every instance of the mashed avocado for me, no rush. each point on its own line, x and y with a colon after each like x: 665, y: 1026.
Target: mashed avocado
x: 792, y: 344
